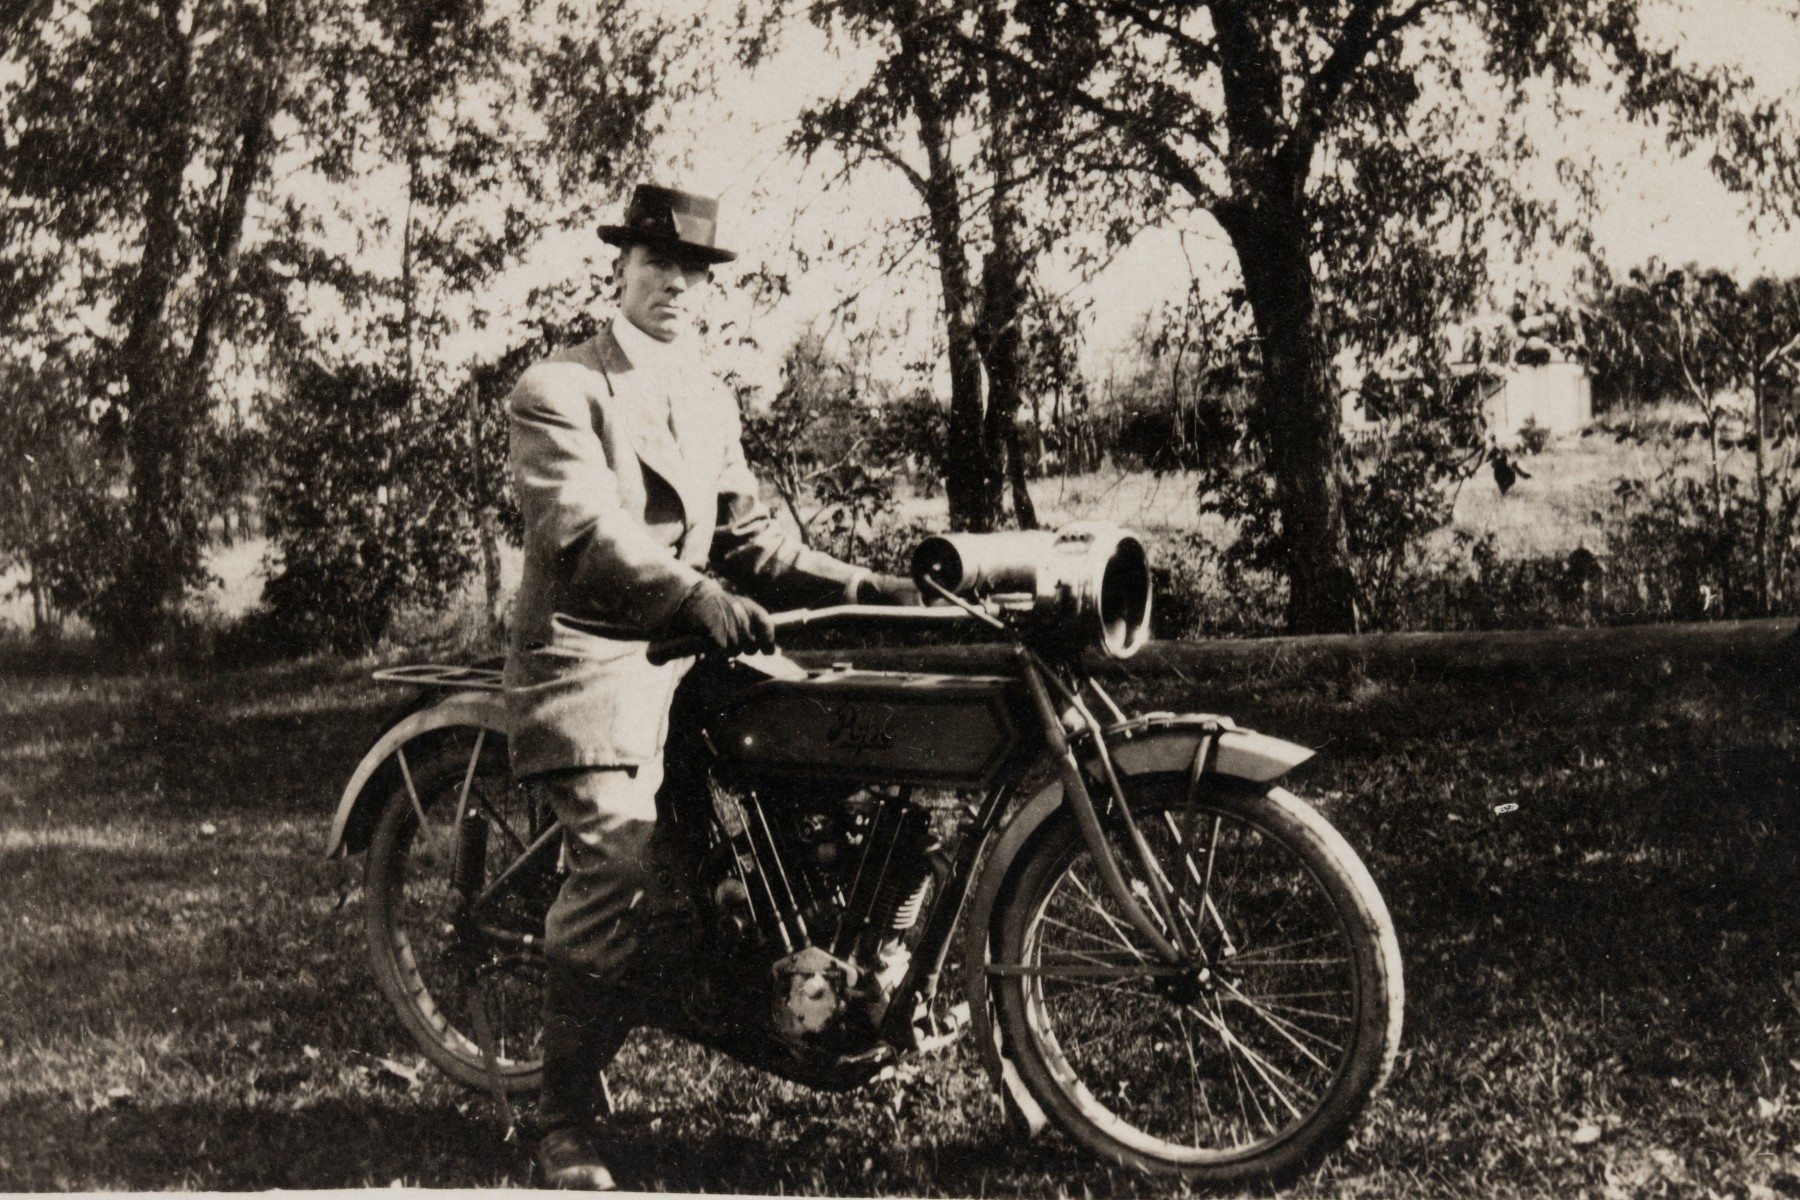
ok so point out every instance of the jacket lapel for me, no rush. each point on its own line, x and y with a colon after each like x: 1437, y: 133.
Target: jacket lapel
x: 638, y: 414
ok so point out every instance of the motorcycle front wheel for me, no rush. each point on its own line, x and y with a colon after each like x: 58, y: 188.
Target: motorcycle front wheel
x: 455, y: 897
x: 1249, y: 1060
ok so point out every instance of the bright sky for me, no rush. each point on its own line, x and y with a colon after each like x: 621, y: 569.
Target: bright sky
x: 1652, y: 204
x: 732, y: 147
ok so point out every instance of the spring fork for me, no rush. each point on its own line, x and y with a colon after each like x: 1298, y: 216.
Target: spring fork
x: 1203, y: 754
x: 1156, y: 882
x: 1076, y: 795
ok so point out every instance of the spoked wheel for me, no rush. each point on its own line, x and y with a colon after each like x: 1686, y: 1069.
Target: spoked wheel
x: 455, y: 906
x: 1249, y: 1059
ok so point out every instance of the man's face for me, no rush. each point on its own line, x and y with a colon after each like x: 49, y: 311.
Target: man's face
x: 653, y: 286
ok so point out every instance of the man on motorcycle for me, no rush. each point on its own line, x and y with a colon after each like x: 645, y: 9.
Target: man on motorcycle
x: 635, y: 494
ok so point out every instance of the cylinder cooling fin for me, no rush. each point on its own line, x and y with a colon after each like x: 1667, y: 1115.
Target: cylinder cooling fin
x: 892, y: 872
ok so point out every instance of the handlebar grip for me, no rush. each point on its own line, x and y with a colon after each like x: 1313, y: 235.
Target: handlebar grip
x: 674, y: 648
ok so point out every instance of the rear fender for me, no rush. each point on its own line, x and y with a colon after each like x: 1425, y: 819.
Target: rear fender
x: 1148, y: 745
x: 378, y: 772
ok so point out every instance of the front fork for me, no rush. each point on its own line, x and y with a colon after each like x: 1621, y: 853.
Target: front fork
x: 1173, y: 940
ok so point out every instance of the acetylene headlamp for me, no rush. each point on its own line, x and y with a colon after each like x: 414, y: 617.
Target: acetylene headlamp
x: 1090, y: 579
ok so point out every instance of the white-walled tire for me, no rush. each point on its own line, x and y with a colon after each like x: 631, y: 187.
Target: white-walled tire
x: 1252, y: 1059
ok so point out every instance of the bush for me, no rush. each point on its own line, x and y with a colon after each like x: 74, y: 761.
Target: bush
x: 889, y: 545
x: 1534, y: 438
x: 1203, y: 591
x: 1685, y: 553
x: 833, y: 456
x: 362, y: 512
x: 1467, y: 585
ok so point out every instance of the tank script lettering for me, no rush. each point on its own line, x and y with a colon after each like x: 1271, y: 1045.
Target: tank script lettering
x: 856, y: 728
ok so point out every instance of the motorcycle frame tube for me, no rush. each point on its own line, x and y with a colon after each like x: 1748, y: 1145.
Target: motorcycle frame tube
x: 944, y: 912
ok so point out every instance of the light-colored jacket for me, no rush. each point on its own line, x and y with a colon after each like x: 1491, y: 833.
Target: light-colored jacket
x: 622, y: 514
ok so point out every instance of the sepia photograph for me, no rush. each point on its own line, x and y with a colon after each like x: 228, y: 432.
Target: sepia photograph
x: 923, y: 598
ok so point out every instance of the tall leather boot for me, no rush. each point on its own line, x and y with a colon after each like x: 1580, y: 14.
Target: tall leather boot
x: 584, y: 1027
x: 618, y: 940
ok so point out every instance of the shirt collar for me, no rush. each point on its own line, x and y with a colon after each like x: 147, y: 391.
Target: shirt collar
x: 643, y: 350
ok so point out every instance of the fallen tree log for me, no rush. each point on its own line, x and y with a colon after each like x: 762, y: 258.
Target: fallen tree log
x: 1628, y: 650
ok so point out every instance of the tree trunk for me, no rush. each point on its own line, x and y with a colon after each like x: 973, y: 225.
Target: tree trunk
x: 44, y: 622
x: 1023, y: 508
x: 159, y: 541
x: 1758, y: 394
x: 409, y: 291
x: 486, y: 530
x: 1299, y: 402
x: 167, y: 390
x: 965, y: 465
x: 1002, y: 307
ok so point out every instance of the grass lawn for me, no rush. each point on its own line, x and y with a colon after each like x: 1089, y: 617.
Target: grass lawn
x: 1602, y: 984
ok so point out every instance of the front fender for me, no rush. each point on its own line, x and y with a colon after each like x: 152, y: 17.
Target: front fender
x: 1146, y: 746
x: 360, y: 805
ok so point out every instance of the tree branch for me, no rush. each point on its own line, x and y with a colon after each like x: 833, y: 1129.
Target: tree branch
x: 887, y: 154
x: 1205, y: 53
x: 1362, y: 35
x: 1163, y: 157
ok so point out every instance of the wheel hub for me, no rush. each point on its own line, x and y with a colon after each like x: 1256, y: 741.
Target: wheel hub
x: 1189, y: 985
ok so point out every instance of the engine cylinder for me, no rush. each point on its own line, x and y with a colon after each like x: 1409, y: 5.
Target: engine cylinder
x: 894, y: 872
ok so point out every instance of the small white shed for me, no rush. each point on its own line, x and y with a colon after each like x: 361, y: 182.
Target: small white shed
x: 1558, y: 396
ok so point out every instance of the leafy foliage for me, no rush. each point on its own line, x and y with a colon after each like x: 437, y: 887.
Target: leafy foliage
x: 191, y: 205
x: 137, y: 137
x: 1735, y: 352
x: 359, y: 504
x: 1333, y: 146
x: 1184, y: 406
x: 52, y: 451
x: 951, y: 126
x: 1688, y: 542
x: 833, y: 453
x: 1192, y: 406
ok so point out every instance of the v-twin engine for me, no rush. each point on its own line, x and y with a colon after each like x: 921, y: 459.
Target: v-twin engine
x: 819, y: 887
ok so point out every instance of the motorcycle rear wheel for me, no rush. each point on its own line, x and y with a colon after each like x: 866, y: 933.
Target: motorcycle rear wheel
x: 1250, y: 1069
x: 430, y: 959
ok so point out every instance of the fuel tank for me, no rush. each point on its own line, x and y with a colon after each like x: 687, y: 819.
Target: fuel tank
x: 873, y: 727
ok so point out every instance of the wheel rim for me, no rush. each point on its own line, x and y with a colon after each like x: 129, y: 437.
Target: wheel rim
x: 1223, y: 1058
x: 445, y: 962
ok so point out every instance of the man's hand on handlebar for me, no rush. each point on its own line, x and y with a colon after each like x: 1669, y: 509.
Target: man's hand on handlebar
x: 725, y: 622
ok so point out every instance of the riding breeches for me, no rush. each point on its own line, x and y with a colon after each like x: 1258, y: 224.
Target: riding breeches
x: 624, y: 899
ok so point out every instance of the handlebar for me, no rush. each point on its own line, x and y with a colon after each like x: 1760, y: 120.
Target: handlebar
x: 688, y: 647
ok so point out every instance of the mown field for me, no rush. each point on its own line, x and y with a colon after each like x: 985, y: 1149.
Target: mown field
x: 1603, y: 993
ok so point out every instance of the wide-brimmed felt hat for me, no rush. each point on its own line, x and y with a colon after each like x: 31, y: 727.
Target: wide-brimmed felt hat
x: 674, y: 220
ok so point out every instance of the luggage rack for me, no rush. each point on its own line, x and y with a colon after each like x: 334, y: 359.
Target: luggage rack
x: 443, y: 675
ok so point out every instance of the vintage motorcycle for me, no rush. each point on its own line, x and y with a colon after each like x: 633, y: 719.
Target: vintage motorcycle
x: 1175, y: 961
